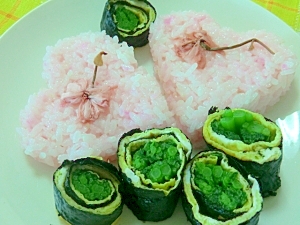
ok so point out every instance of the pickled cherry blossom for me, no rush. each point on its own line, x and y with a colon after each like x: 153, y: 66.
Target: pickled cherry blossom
x: 89, y: 99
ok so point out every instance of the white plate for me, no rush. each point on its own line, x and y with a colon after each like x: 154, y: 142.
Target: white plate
x: 26, y: 195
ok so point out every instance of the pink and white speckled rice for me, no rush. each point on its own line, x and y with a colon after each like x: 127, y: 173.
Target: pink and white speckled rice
x: 51, y: 131
x: 241, y: 78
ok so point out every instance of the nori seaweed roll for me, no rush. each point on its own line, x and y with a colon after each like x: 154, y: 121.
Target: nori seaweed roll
x: 151, y: 163
x: 87, y: 191
x: 215, y: 193
x: 130, y: 20
x: 252, y: 143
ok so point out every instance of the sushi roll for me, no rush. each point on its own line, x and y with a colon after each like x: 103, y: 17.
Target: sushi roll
x: 130, y: 20
x: 151, y: 163
x: 87, y: 191
x: 216, y: 193
x: 252, y: 143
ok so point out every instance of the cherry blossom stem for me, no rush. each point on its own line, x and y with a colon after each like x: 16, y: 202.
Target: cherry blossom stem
x: 206, y: 47
x: 98, y: 62
x: 94, y: 77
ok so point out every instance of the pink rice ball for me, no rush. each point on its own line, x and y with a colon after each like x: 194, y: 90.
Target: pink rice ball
x: 51, y: 129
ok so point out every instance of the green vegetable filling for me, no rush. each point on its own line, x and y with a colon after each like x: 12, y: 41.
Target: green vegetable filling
x: 240, y: 125
x: 126, y: 19
x: 220, y: 187
x: 90, y: 185
x: 158, y: 161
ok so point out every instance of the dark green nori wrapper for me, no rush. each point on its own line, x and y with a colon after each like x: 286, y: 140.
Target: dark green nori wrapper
x: 70, y: 212
x: 77, y: 217
x: 150, y: 205
x: 189, y: 213
x: 137, y: 38
x: 210, y: 208
x: 266, y: 174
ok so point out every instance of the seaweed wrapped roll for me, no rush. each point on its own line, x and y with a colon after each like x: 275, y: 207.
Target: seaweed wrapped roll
x: 129, y: 20
x: 151, y: 163
x: 216, y: 193
x: 252, y: 143
x: 87, y: 191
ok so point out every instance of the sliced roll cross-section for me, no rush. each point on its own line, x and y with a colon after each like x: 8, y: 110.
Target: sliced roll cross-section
x: 87, y: 191
x: 129, y: 20
x: 216, y: 193
x: 151, y: 163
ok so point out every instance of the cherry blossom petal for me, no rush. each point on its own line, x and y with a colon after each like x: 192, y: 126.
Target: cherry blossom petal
x: 190, y: 50
x: 89, y: 101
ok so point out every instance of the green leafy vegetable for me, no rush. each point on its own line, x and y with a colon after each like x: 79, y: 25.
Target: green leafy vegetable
x: 220, y: 187
x: 90, y: 185
x: 240, y: 125
x: 158, y: 161
x: 127, y: 20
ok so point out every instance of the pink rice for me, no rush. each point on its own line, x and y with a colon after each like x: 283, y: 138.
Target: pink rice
x: 51, y: 132
x: 252, y: 80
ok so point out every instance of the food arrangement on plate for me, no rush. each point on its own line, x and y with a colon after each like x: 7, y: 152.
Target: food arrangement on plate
x: 101, y: 103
